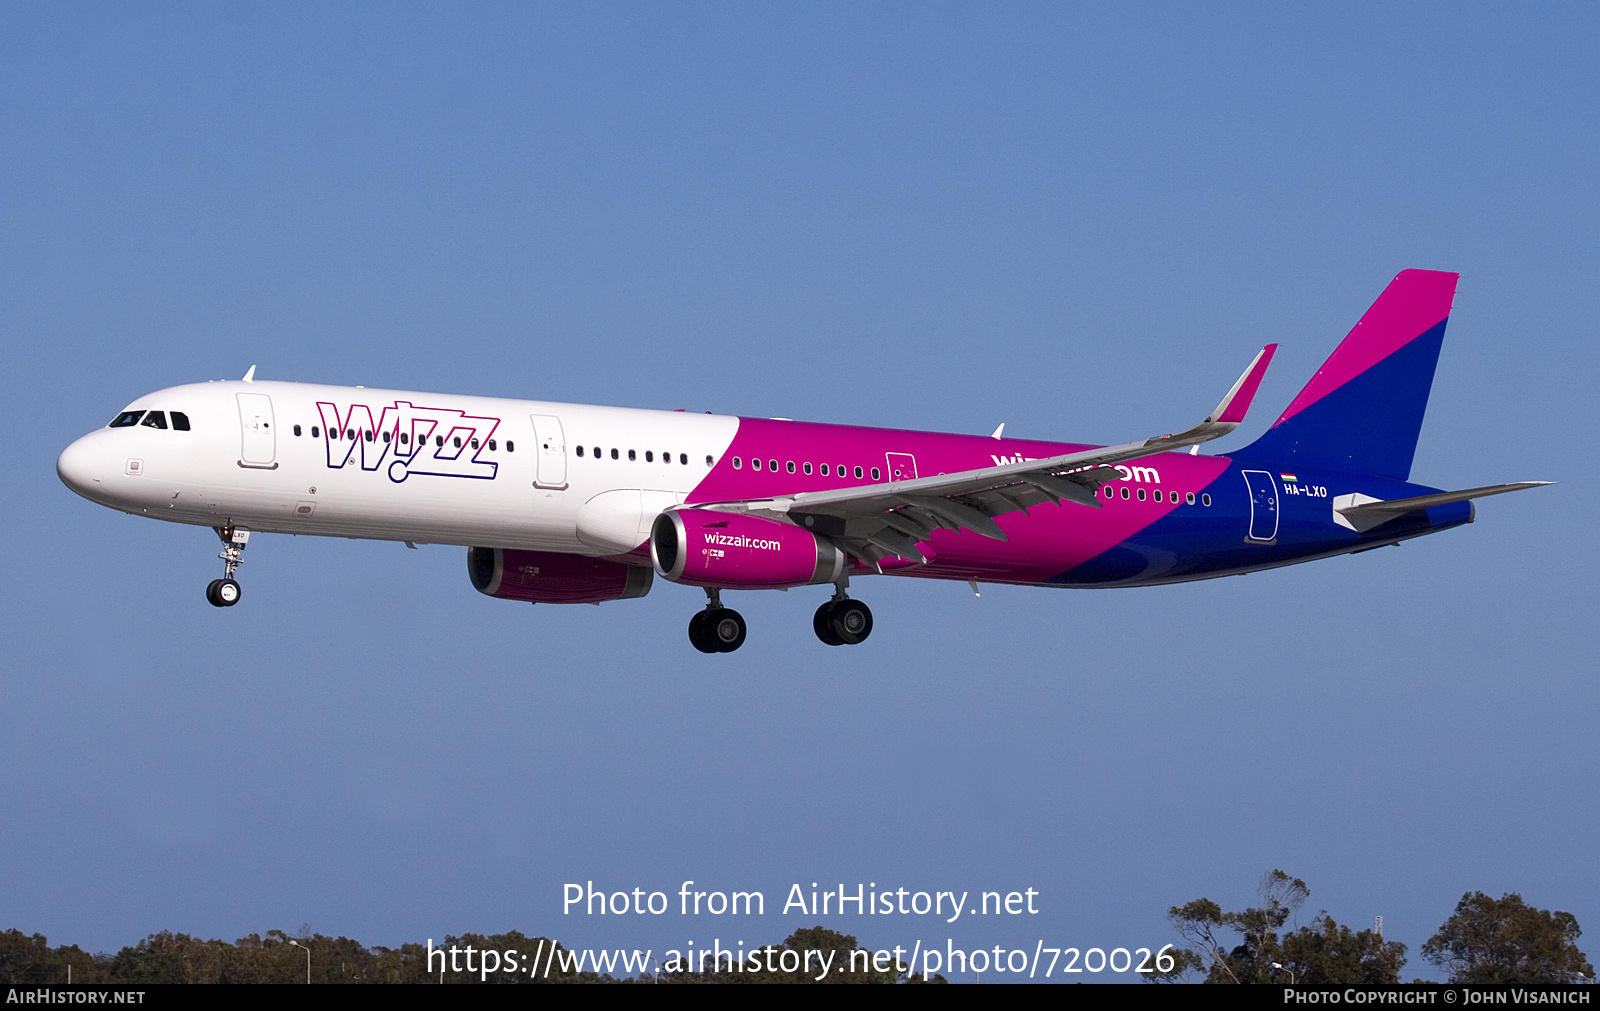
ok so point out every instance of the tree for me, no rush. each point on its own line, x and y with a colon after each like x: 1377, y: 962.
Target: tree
x: 1324, y: 952
x: 1328, y: 953
x: 1507, y: 941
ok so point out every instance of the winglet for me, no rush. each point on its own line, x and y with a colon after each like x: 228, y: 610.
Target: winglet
x: 250, y: 376
x: 1228, y: 414
x: 1234, y: 406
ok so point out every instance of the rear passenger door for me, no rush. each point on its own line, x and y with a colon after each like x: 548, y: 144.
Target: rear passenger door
x: 1263, y: 505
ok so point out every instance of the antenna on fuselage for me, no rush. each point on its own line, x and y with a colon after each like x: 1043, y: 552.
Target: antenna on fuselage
x: 250, y: 376
x: 999, y: 431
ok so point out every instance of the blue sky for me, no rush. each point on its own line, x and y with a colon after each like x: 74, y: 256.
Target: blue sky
x: 1079, y: 221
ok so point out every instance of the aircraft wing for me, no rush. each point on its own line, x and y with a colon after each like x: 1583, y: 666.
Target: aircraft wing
x: 878, y: 521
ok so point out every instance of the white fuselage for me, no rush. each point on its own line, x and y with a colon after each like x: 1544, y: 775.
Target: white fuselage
x: 395, y: 465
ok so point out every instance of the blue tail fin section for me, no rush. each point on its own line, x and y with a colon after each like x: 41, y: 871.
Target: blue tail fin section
x: 1362, y: 412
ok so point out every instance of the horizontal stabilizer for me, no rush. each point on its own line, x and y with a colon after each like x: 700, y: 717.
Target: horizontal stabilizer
x: 1362, y: 512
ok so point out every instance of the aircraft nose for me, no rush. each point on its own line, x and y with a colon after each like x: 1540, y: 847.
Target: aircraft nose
x: 80, y: 466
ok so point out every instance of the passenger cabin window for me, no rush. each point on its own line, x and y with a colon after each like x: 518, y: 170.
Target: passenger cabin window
x: 1205, y: 500
x: 154, y: 419
x: 649, y: 457
x: 297, y: 431
x: 824, y: 469
x: 180, y: 422
x: 858, y: 473
x: 491, y: 446
x: 737, y: 463
x: 314, y: 433
x: 1188, y: 498
x: 127, y: 419
x: 875, y: 473
x: 755, y: 464
x: 1124, y: 491
x: 511, y: 447
x: 789, y: 466
x: 808, y: 470
x: 1141, y: 494
x: 772, y: 465
x: 708, y: 460
x: 631, y: 455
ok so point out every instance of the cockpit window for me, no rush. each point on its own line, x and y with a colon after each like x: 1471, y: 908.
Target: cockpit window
x: 155, y: 419
x: 180, y: 421
x: 127, y: 419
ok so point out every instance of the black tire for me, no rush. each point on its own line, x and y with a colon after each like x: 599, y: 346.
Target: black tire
x: 851, y: 621
x: 211, y: 594
x: 700, y: 632
x: 820, y: 625
x: 727, y: 629
x: 228, y: 593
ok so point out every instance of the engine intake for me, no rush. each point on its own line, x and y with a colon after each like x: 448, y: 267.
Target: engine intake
x: 703, y: 547
x: 548, y: 577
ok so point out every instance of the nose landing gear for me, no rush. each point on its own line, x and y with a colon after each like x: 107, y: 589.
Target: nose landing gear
x: 716, y: 629
x: 225, y: 592
x: 842, y: 621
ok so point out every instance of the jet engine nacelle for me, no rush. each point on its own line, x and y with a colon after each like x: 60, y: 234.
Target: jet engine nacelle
x: 547, y: 577
x: 704, y: 547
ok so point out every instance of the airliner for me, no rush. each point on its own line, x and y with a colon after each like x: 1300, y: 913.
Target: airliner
x: 567, y: 503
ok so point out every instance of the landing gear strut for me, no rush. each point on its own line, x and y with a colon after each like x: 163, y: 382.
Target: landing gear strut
x: 225, y: 592
x: 717, y: 629
x: 842, y: 621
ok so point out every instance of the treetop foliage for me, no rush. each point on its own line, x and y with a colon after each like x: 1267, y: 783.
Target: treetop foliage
x: 1505, y: 940
x: 1323, y: 952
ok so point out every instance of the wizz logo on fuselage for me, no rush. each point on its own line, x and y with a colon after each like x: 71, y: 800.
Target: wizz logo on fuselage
x: 413, y: 440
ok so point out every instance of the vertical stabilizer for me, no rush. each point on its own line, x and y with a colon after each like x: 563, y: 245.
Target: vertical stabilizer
x: 1362, y: 411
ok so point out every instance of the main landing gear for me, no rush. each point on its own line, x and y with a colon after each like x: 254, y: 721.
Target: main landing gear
x: 838, y: 622
x: 225, y: 592
x: 717, y: 629
x: 842, y: 621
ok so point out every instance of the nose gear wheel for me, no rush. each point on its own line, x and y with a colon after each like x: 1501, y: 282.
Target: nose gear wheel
x: 225, y: 592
